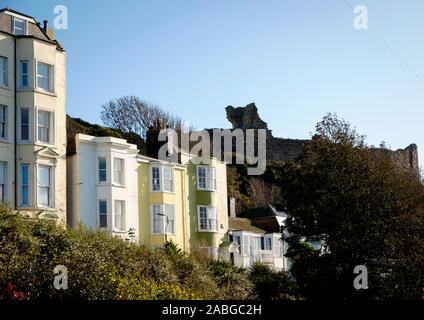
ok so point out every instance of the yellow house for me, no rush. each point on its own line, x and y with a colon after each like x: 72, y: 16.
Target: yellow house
x: 163, y: 203
x: 32, y: 117
x: 185, y: 203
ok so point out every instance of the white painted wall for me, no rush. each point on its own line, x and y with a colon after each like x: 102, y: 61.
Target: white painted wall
x: 87, y: 190
x: 250, y: 250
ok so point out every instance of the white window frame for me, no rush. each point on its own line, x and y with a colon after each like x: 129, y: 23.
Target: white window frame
x: 98, y: 170
x: 122, y: 227
x: 3, y: 181
x: 50, y: 186
x: 22, y: 74
x: 14, y: 28
x: 160, y: 181
x: 3, y: 122
x: 22, y: 185
x: 4, y: 73
x: 121, y: 179
x: 209, y: 178
x: 26, y: 124
x: 163, y: 209
x: 102, y: 214
x: 50, y: 77
x: 266, y: 247
x: 50, y: 128
x: 210, y: 221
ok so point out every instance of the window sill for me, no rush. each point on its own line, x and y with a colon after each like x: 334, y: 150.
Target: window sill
x: 207, y: 231
x: 5, y: 141
x: 164, y: 234
x: 123, y: 186
x: 160, y: 191
x: 47, y: 93
x: 207, y: 190
x: 25, y: 142
x: 44, y: 144
x: 119, y: 231
x: 4, y: 87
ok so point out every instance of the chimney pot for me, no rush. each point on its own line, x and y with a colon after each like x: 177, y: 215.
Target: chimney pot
x: 45, y: 25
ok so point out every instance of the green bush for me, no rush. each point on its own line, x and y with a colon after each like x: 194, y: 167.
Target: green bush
x: 103, y: 267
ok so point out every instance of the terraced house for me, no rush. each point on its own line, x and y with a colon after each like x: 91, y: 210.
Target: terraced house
x: 32, y: 117
x: 151, y: 201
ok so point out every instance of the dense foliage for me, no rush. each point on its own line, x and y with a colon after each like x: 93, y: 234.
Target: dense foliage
x: 102, y: 267
x: 363, y: 207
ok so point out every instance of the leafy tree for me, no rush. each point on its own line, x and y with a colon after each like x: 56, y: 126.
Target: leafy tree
x: 363, y: 207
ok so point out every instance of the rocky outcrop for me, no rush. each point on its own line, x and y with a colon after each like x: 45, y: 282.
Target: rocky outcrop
x: 279, y: 149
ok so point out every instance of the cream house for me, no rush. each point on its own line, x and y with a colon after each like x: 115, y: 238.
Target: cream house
x: 32, y: 117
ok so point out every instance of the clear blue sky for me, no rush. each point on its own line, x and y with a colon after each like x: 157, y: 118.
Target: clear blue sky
x: 295, y: 59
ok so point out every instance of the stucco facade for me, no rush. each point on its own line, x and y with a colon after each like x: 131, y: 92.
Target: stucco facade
x: 103, y: 185
x: 33, y: 121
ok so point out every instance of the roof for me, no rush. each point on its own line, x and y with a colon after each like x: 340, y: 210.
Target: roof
x: 243, y: 224
x: 262, y: 212
x: 34, y: 30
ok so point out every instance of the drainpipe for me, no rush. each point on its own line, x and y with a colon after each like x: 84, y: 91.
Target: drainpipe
x: 15, y: 142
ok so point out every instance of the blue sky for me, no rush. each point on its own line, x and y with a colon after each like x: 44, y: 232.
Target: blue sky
x: 295, y: 59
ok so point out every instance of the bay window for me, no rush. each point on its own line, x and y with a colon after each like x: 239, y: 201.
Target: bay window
x: 3, y: 181
x: 207, y: 219
x: 44, y: 76
x: 44, y: 126
x: 163, y: 219
x: 206, y: 178
x: 3, y: 122
x: 44, y: 186
x: 162, y: 178
x: 118, y: 171
x: 119, y: 215
x: 24, y: 76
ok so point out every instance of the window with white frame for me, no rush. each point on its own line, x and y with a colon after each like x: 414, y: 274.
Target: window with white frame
x: 208, y: 219
x: 3, y: 181
x: 24, y: 194
x: 102, y: 213
x: 44, y: 76
x: 163, y: 218
x: 266, y: 243
x: 24, y: 124
x: 168, y: 179
x: 162, y: 178
x: 118, y: 171
x: 119, y: 215
x: 155, y: 178
x: 3, y: 122
x: 4, y: 79
x: 44, y: 126
x: 44, y: 186
x: 19, y: 27
x: 24, y: 74
x: 206, y: 178
x: 102, y: 170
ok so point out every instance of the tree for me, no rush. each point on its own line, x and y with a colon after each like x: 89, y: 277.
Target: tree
x: 132, y: 115
x: 363, y: 207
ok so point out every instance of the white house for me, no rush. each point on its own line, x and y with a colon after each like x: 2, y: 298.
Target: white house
x: 251, y: 244
x: 107, y: 198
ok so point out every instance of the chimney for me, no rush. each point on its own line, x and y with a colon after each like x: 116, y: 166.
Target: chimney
x: 45, y: 25
x: 232, y: 207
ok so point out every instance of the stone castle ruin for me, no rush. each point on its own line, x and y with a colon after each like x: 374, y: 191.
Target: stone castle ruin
x: 280, y: 149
